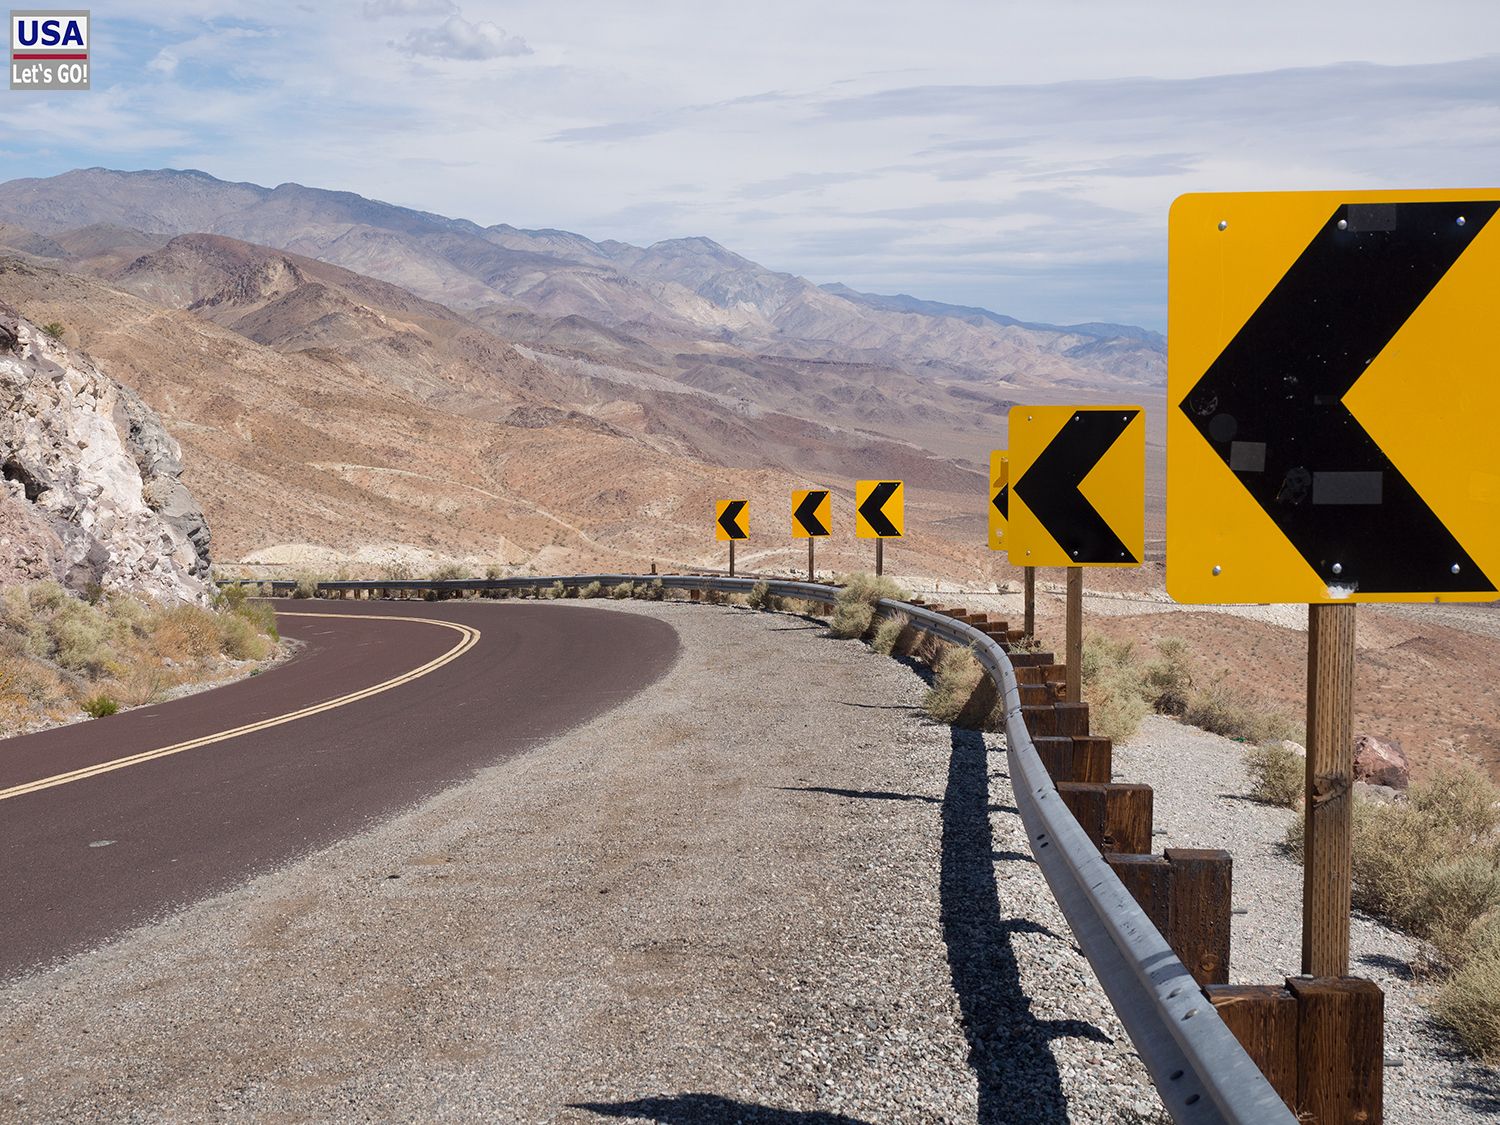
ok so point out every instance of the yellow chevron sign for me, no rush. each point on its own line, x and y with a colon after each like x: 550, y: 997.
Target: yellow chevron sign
x: 1078, y: 486
x: 812, y: 513
x: 731, y: 519
x: 999, y: 505
x: 879, y: 509
x: 1332, y: 393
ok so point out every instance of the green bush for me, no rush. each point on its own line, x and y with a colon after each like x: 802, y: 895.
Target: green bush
x: 556, y: 590
x: 622, y: 590
x: 591, y: 590
x: 98, y: 706
x: 55, y: 329
x: 1277, y: 774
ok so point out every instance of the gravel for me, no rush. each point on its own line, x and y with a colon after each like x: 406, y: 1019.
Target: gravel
x: 1201, y: 784
x: 765, y: 889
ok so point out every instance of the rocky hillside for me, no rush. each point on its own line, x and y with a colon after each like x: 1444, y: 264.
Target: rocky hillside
x: 92, y: 493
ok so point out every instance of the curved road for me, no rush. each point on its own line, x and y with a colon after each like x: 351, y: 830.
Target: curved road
x: 107, y: 824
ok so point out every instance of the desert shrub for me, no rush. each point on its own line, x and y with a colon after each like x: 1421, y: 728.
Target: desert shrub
x: 653, y: 591
x: 397, y: 571
x: 448, y: 572
x: 851, y: 619
x: 1113, y: 684
x: 955, y: 675
x: 622, y: 590
x: 760, y: 596
x: 239, y: 639
x: 1168, y: 680
x: 556, y: 590
x: 307, y: 586
x: 714, y: 597
x: 591, y: 590
x: 1277, y: 774
x: 1225, y: 710
x: 55, y: 329
x: 868, y: 588
x: 98, y: 706
x: 261, y: 616
x: 80, y: 639
x: 1469, y: 1000
x: 888, y: 632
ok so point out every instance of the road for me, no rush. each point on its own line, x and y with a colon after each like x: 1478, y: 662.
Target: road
x: 109, y: 823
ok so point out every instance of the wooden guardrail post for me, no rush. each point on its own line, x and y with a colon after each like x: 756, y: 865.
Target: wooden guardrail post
x: 1115, y: 816
x: 1320, y: 1042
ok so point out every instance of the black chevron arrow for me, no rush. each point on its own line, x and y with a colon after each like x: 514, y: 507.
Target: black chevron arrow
x: 1001, y: 500
x: 1271, y: 405
x: 807, y: 513
x: 1049, y: 486
x: 729, y: 520
x: 879, y: 522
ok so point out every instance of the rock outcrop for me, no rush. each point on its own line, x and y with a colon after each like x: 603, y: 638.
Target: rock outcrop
x: 92, y: 492
x: 1379, y: 762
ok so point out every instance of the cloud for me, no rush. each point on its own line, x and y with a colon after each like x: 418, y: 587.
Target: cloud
x: 458, y: 38
x: 379, y: 9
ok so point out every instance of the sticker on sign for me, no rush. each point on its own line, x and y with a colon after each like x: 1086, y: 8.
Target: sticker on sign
x: 49, y: 50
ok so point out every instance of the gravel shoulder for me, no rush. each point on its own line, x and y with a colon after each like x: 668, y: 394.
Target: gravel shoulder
x: 1201, y: 784
x: 764, y: 889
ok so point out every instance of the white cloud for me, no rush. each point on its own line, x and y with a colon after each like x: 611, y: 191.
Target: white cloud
x: 457, y: 38
x: 379, y: 9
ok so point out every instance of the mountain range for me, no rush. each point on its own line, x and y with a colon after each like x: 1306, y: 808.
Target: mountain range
x: 536, y: 360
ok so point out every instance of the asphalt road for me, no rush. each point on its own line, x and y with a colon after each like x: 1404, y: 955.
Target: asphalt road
x: 109, y: 823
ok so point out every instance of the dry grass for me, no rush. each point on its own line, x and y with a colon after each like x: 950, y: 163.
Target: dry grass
x: 955, y: 675
x: 1226, y: 710
x: 760, y: 597
x: 60, y: 654
x: 888, y: 633
x: 854, y: 611
x: 591, y: 590
x: 1113, y: 684
x: 1430, y: 865
x: 1277, y: 774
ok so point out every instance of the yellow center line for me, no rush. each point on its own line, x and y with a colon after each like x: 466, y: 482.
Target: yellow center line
x: 469, y: 637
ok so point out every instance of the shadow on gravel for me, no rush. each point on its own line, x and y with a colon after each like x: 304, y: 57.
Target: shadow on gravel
x: 1008, y: 1046
x: 1396, y: 966
x: 711, y: 1109
x: 860, y: 794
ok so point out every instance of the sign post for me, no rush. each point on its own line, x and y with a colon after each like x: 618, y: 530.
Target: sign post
x: 1331, y: 399
x: 811, y: 520
x: 1029, y: 585
x: 879, y: 514
x: 731, y: 524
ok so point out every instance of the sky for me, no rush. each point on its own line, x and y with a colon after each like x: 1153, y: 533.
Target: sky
x: 1019, y: 157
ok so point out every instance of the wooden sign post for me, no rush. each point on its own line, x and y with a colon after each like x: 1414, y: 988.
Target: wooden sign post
x: 1029, y: 626
x: 879, y: 557
x: 731, y: 558
x: 812, y: 574
x: 1328, y: 808
x: 1074, y: 639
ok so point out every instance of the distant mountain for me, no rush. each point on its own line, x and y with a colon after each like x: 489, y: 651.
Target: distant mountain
x: 688, y: 291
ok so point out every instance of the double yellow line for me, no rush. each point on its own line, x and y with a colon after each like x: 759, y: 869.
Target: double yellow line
x: 469, y: 637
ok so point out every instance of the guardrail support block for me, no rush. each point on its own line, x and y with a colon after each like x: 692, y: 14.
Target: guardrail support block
x: 1340, y: 1048
x: 1263, y: 1017
x: 1199, y: 927
x: 1115, y: 816
x: 1075, y: 757
x: 1072, y: 718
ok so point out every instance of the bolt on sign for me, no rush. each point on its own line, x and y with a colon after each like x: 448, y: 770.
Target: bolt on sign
x: 1078, y: 486
x: 731, y: 519
x: 999, y: 498
x: 49, y: 50
x: 879, y: 509
x: 1332, y: 390
x: 812, y: 510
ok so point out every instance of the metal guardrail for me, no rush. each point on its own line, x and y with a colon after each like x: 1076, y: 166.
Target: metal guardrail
x: 1200, y: 1070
